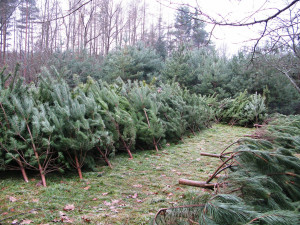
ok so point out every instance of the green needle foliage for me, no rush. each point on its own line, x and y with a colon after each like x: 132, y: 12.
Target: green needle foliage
x: 150, y: 128
x: 284, y: 131
x: 131, y: 63
x: 50, y: 126
x: 244, y: 110
x: 262, y: 187
x: 173, y: 110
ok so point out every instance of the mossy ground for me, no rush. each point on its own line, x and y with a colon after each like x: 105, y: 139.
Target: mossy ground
x: 130, y: 193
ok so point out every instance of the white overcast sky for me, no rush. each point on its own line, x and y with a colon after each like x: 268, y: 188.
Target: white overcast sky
x: 235, y: 10
x: 230, y: 38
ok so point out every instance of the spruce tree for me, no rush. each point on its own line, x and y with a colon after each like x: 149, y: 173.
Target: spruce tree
x: 183, y: 25
x: 199, y: 35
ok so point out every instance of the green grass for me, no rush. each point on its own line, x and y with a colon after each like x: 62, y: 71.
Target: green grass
x: 130, y: 193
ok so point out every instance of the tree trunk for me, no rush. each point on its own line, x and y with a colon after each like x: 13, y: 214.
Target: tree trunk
x: 193, y: 132
x: 36, y: 156
x: 26, y: 37
x: 201, y: 184
x: 1, y: 47
x: 213, y: 155
x: 155, y: 144
x: 120, y: 135
x: 290, y: 79
x: 127, y: 148
x: 78, y: 167
x: 4, y: 42
x: 104, y: 157
x: 22, y: 170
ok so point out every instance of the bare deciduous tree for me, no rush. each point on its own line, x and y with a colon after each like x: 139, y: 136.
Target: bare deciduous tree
x: 277, y: 30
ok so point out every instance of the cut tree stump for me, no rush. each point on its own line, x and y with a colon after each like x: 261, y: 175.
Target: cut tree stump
x: 201, y: 184
x: 213, y: 155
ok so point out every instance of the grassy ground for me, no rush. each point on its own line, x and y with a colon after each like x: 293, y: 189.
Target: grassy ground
x: 130, y: 193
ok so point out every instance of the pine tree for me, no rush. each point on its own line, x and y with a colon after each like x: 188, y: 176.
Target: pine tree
x: 8, y: 145
x: 132, y: 63
x: 172, y: 111
x: 76, y: 118
x: 243, y: 110
x: 116, y: 112
x: 150, y: 128
x: 178, y: 68
x: 24, y: 126
x: 72, y: 135
x: 262, y: 185
x: 198, y: 114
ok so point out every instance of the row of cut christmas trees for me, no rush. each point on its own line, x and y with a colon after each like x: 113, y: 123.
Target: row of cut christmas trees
x: 50, y: 126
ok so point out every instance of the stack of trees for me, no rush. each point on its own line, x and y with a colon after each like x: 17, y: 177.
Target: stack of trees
x: 244, y: 110
x: 262, y: 185
x: 50, y: 126
x: 203, y: 71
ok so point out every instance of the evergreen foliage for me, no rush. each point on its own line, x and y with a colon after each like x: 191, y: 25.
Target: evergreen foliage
x: 262, y: 187
x: 173, y: 110
x: 131, y: 63
x: 283, y: 131
x: 178, y: 68
x: 183, y: 24
x: 189, y: 29
x: 201, y: 70
x: 150, y: 128
x: 161, y: 48
x: 50, y: 126
x: 81, y: 65
x: 206, y: 72
x: 211, y: 73
x: 244, y: 110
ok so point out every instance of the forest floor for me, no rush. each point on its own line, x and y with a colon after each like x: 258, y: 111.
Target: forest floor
x: 130, y: 193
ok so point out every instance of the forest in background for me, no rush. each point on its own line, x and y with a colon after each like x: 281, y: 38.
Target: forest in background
x: 107, y: 39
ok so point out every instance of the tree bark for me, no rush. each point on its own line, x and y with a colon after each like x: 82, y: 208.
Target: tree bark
x: 78, y: 167
x: 213, y: 155
x: 290, y: 79
x: 104, y: 157
x: 22, y: 170
x: 194, y: 183
x: 4, y: 42
x: 155, y: 144
x: 36, y: 156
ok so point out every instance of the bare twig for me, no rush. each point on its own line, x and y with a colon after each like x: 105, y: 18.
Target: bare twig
x: 68, y: 14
